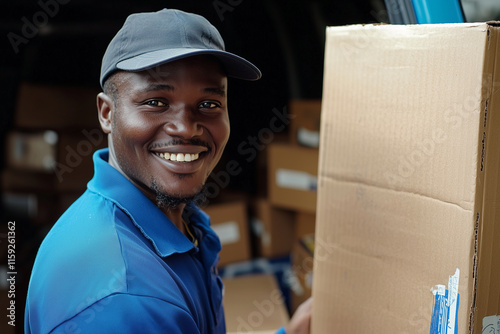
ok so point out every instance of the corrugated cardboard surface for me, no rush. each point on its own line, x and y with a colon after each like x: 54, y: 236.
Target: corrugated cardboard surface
x: 253, y: 304
x: 408, y: 177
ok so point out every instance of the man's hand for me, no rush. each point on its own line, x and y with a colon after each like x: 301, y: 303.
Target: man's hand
x: 301, y: 319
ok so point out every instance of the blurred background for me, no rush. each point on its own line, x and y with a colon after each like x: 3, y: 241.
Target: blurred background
x: 51, y: 52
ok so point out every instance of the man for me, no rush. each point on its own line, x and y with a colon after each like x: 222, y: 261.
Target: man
x: 134, y: 254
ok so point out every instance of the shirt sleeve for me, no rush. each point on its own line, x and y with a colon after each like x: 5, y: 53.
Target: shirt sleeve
x: 281, y: 331
x: 127, y: 314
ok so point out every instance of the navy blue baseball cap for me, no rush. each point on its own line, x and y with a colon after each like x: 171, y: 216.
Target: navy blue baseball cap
x: 147, y: 40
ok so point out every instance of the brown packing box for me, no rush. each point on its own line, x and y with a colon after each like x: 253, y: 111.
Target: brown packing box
x: 302, y: 266
x: 273, y: 228
x: 35, y: 151
x: 65, y: 158
x: 292, y: 176
x: 305, y: 122
x: 230, y: 223
x: 409, y: 193
x: 262, y: 164
x: 253, y: 304
x: 55, y: 107
x: 305, y: 224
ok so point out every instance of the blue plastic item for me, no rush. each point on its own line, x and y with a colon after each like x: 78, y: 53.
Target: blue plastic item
x: 438, y: 11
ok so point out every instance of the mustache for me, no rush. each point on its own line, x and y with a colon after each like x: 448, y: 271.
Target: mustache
x: 174, y: 142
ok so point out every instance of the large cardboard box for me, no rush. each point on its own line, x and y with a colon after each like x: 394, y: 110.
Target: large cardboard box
x: 230, y: 222
x: 408, y: 221
x: 273, y: 229
x: 292, y: 176
x: 253, y: 304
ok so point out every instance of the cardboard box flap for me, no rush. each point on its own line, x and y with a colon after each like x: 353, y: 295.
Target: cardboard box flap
x: 394, y: 150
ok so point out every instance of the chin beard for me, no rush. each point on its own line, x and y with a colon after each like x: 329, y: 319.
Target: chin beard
x: 168, y: 201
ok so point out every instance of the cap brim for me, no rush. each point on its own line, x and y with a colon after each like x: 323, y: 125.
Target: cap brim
x: 235, y: 66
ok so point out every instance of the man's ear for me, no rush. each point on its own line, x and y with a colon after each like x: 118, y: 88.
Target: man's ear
x: 105, y: 108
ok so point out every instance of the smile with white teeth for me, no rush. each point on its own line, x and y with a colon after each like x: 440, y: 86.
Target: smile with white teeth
x: 179, y: 157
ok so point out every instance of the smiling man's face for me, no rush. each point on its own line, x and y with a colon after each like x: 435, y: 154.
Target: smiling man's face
x: 168, y: 126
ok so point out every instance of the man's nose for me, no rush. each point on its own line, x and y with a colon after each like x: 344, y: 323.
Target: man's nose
x: 183, y: 123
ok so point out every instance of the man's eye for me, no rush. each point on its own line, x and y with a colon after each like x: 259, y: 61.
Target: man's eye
x: 156, y: 103
x: 208, y: 105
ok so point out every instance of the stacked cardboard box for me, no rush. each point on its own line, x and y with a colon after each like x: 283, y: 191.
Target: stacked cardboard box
x: 305, y: 122
x: 229, y: 220
x: 48, y: 152
x: 273, y: 229
x: 253, y: 304
x: 293, y: 177
x: 47, y: 165
x: 409, y: 194
x: 292, y: 185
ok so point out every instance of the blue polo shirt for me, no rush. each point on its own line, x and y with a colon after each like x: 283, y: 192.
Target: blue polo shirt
x: 114, y: 263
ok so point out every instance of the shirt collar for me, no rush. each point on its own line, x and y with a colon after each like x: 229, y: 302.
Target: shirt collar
x: 149, y: 219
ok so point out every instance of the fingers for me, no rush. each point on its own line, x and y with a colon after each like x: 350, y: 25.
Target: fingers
x: 301, y: 319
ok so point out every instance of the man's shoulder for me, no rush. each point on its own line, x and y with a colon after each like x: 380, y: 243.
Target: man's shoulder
x: 91, y: 236
x: 89, y: 221
x: 78, y: 262
x: 91, y: 253
x: 84, y: 237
